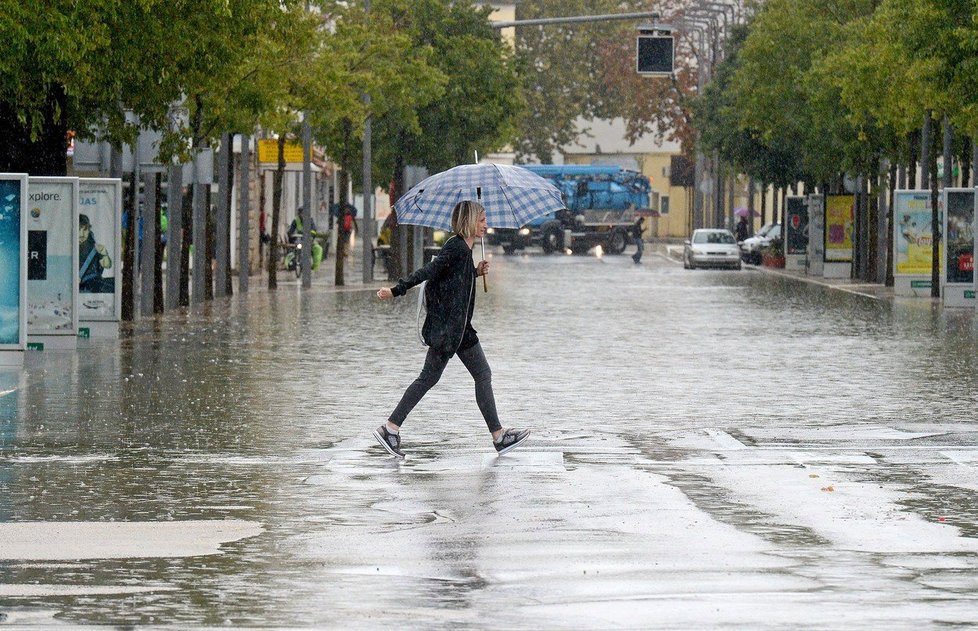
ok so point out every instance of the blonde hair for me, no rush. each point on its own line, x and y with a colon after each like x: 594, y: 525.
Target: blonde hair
x: 465, y: 218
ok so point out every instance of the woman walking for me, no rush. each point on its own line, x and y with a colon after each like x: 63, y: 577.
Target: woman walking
x: 447, y: 331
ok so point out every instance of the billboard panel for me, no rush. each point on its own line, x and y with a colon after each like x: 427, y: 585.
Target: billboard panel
x: 99, y: 249
x: 912, y: 233
x: 52, y: 256
x: 13, y: 272
x: 959, y: 209
x: 839, y: 217
x: 796, y: 226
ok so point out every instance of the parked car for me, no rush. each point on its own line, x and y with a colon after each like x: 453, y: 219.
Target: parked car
x: 750, y: 248
x: 711, y: 247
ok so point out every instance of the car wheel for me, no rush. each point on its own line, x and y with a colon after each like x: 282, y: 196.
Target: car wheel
x: 739, y: 266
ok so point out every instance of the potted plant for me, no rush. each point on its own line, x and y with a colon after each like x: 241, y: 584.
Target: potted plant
x: 773, y: 254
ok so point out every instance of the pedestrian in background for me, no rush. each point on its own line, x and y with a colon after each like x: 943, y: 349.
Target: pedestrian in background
x: 742, y: 231
x: 449, y: 294
x: 264, y: 239
x: 637, y: 229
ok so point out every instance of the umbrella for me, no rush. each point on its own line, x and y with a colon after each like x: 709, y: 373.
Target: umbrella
x: 745, y: 212
x: 511, y: 195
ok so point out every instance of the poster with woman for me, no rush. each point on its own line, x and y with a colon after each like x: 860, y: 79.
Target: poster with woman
x: 99, y: 249
x: 52, y: 260
x: 13, y: 273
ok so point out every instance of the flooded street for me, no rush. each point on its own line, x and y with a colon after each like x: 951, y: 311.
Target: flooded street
x: 709, y: 448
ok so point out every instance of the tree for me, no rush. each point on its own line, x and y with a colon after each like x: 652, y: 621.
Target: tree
x: 562, y: 68
x: 721, y: 127
x: 452, y: 89
x: 913, y: 57
x: 83, y: 65
x: 395, y: 73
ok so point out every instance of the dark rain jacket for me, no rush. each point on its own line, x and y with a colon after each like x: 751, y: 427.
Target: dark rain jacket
x: 449, y: 296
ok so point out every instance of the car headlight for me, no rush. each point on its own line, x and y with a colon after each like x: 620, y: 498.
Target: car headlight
x: 524, y: 232
x: 491, y: 231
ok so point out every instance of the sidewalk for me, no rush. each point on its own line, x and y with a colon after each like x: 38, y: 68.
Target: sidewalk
x: 857, y: 287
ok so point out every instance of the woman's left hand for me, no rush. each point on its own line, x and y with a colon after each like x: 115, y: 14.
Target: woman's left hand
x: 482, y: 268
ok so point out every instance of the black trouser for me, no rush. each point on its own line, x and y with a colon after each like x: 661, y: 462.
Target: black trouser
x: 434, y: 364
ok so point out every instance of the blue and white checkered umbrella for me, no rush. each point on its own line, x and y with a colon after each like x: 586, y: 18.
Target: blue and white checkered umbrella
x: 511, y: 195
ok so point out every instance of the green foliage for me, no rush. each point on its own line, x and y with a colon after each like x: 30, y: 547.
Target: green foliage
x: 721, y: 127
x: 354, y: 62
x: 561, y: 67
x: 447, y: 89
x: 774, y: 107
x: 220, y: 59
x: 840, y: 83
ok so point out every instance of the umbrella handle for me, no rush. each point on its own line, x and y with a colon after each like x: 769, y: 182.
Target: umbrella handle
x: 485, y: 283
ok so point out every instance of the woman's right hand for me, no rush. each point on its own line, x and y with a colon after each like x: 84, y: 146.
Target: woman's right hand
x: 385, y: 293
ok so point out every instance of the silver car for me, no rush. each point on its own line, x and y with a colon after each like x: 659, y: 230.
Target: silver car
x: 750, y: 248
x: 711, y: 247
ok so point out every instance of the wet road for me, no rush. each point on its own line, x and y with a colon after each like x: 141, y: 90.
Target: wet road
x: 710, y: 449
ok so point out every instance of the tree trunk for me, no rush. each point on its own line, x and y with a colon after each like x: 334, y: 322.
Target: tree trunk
x: 229, y: 196
x: 158, y: 259
x: 209, y: 244
x: 342, y: 237
x: 763, y: 204
x: 750, y: 206
x: 186, y: 235
x: 872, y: 224
x: 276, y: 214
x: 889, y: 233
x: 935, y: 226
x: 912, y: 166
x: 394, y: 256
x: 45, y: 155
x: 129, y: 248
x: 966, y: 163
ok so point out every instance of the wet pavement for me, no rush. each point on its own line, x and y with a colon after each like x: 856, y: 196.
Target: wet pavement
x: 709, y: 449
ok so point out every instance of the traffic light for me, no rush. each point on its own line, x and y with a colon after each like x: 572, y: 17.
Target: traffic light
x: 654, y: 55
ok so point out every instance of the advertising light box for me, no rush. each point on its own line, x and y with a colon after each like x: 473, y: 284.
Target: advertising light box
x: 99, y: 249
x: 52, y: 261
x: 839, y: 217
x: 958, y: 205
x: 913, y: 234
x: 13, y: 272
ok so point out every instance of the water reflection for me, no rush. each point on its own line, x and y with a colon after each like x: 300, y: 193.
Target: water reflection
x: 260, y: 407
